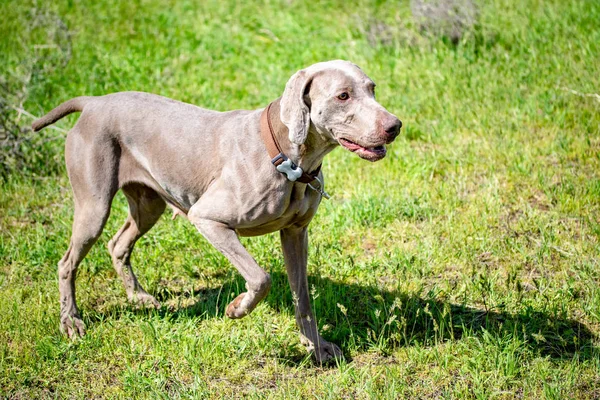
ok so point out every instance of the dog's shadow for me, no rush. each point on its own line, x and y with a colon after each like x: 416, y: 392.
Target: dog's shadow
x: 364, y: 317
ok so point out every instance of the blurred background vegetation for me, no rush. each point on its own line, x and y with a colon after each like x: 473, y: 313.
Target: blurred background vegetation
x: 484, y: 69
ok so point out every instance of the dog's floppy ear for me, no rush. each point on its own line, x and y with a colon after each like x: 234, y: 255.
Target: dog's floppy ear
x: 294, y: 111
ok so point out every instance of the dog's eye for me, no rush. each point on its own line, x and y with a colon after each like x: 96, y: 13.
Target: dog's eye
x: 344, y: 96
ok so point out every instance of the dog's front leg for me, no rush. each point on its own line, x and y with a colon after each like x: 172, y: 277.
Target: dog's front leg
x: 295, y: 252
x: 258, y: 282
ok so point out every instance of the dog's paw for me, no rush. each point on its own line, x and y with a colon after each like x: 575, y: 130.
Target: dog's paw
x: 327, y: 352
x: 323, y: 351
x: 143, y: 299
x: 236, y: 309
x: 72, y: 326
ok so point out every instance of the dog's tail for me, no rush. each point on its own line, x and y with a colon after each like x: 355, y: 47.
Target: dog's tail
x: 65, y: 108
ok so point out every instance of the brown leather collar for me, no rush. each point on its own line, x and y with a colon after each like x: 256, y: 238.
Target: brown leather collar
x: 283, y: 164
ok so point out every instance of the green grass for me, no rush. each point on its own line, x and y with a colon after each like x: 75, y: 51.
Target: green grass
x: 463, y: 265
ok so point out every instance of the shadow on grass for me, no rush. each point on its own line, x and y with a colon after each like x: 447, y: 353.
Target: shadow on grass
x: 362, y: 317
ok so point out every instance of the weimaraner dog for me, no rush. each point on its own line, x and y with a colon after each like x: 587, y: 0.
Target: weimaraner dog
x: 236, y: 173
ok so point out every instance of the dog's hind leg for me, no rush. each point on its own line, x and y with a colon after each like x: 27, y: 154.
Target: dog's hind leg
x: 145, y: 208
x: 92, y: 172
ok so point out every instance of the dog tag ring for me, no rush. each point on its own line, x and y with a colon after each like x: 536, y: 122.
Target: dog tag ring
x: 320, y: 189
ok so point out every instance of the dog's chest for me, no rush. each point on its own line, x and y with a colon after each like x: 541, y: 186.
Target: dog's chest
x: 295, y: 207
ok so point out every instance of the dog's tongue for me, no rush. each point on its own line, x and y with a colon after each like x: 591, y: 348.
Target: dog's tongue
x: 352, y: 146
x: 368, y: 153
x: 356, y: 147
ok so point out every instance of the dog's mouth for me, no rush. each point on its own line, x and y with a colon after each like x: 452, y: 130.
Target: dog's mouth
x: 374, y: 153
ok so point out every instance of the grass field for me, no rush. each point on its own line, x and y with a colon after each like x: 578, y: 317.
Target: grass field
x: 463, y: 265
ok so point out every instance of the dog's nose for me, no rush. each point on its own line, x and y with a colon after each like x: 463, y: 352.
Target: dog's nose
x: 392, y: 126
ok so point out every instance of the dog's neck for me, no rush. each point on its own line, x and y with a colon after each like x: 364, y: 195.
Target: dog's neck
x: 308, y: 155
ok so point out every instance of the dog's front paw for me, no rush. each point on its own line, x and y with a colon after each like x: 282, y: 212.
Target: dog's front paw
x: 72, y: 326
x: 237, y: 309
x: 322, y: 351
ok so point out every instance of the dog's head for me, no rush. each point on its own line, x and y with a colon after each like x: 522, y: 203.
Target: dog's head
x: 336, y: 99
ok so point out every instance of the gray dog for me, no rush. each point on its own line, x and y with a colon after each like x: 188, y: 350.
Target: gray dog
x: 231, y: 173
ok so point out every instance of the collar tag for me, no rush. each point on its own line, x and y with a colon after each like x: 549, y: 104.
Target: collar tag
x: 287, y: 167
